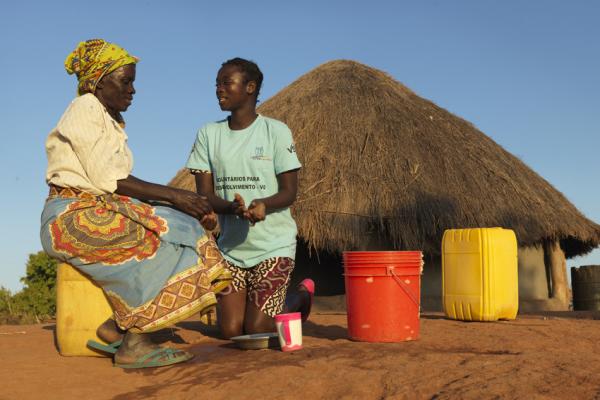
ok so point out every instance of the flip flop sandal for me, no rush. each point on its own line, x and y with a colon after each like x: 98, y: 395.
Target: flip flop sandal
x: 110, y: 348
x: 160, y: 357
x: 309, y: 285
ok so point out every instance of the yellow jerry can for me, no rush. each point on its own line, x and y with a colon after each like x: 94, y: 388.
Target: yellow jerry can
x: 80, y: 308
x: 480, y: 274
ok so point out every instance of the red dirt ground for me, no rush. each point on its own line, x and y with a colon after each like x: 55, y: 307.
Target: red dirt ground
x: 552, y: 356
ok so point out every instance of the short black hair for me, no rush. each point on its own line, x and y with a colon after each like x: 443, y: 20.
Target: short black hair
x: 250, y: 69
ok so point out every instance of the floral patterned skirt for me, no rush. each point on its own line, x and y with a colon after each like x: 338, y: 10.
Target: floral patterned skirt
x: 156, y: 265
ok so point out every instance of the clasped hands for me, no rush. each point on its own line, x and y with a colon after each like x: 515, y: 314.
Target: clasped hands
x: 199, y: 207
x: 255, y: 212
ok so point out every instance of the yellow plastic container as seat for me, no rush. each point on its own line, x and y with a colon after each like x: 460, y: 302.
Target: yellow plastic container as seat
x: 480, y: 274
x: 80, y: 308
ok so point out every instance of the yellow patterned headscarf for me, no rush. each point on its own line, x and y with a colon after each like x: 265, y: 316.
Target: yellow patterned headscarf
x: 94, y: 59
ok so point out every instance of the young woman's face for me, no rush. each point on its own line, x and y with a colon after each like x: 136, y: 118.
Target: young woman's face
x: 116, y: 90
x: 232, y: 89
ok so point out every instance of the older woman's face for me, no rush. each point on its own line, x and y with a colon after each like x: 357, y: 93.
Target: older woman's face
x: 115, y: 91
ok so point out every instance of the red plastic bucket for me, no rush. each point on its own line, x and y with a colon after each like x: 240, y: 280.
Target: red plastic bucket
x: 383, y: 290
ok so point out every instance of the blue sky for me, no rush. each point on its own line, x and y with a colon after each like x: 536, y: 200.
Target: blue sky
x: 525, y: 73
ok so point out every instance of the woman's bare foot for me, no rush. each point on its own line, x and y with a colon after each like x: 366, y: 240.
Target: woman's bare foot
x: 305, y: 301
x: 301, y: 300
x: 109, y: 331
x: 138, y: 351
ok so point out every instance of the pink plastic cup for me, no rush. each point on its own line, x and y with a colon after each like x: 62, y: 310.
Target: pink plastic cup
x: 289, y: 329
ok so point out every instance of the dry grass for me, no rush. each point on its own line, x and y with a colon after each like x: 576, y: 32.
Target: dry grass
x: 377, y: 158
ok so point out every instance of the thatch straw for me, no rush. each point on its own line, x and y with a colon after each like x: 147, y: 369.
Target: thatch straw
x: 378, y: 159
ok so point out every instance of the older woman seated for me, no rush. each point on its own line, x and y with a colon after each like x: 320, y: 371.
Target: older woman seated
x: 155, y: 263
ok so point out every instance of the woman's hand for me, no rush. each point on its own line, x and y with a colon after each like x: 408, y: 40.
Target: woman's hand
x: 191, y: 203
x: 188, y: 202
x: 256, y: 212
x: 238, y: 205
x: 209, y: 221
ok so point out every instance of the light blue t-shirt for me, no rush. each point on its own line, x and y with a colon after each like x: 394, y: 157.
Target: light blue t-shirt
x: 247, y: 162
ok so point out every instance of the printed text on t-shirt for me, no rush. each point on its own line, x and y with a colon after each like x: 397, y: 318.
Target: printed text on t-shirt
x: 239, y: 183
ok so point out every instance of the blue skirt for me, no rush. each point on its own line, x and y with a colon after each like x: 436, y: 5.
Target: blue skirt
x: 156, y: 265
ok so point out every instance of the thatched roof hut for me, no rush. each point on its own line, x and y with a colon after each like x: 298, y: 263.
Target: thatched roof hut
x: 377, y: 158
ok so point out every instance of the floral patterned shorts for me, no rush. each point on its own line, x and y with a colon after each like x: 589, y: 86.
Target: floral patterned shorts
x: 266, y: 283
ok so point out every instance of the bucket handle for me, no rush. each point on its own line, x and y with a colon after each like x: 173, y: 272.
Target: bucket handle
x: 404, y: 286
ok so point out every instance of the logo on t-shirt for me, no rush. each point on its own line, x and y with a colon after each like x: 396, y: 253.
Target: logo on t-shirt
x: 259, y: 154
x: 292, y: 148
